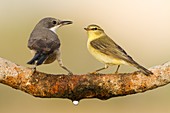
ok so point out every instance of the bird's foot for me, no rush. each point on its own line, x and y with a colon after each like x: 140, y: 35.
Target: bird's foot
x: 116, y: 72
x: 34, y: 69
x: 70, y: 73
x: 94, y: 73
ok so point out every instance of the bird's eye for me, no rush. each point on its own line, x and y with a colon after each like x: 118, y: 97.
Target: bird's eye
x: 94, y: 28
x: 54, y: 22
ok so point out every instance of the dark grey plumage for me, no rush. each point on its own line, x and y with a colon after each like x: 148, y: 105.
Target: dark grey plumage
x: 44, y: 42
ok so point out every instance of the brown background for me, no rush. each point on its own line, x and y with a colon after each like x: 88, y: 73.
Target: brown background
x: 141, y: 27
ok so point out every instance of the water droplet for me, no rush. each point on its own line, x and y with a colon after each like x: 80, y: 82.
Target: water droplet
x: 75, y: 102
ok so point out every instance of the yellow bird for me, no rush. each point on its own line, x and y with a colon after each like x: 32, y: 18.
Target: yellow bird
x: 107, y: 51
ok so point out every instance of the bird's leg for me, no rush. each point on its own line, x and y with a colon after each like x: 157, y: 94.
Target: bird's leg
x: 34, y: 68
x: 117, y: 69
x: 61, y: 63
x: 69, y: 72
x: 105, y: 67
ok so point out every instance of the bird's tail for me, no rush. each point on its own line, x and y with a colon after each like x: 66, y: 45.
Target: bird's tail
x: 141, y: 68
x: 40, y: 58
x: 35, y: 58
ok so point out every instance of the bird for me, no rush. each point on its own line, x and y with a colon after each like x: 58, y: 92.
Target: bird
x: 105, y: 50
x: 45, y: 44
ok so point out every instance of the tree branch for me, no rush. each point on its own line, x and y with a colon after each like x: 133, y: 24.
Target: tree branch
x: 77, y: 87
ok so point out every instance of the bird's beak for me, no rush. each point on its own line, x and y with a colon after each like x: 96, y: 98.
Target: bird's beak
x: 86, y: 29
x: 65, y: 22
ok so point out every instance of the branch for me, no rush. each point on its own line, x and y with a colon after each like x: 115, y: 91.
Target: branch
x: 77, y: 87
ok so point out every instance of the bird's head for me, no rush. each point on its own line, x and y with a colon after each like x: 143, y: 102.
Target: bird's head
x: 52, y: 23
x: 94, y: 31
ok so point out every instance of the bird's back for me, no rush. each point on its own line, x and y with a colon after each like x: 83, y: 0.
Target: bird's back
x: 43, y: 40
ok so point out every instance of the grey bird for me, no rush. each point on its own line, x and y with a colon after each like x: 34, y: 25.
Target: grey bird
x: 45, y: 44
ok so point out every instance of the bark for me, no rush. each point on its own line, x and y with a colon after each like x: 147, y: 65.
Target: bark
x: 77, y: 87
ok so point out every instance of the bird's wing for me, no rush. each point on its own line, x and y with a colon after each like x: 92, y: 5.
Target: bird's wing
x: 45, y: 42
x: 107, y: 46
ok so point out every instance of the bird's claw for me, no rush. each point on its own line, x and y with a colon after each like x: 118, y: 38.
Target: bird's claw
x: 70, y: 73
x: 116, y: 72
x: 34, y: 69
x: 94, y: 73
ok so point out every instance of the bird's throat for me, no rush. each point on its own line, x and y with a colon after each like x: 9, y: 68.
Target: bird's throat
x: 93, y: 36
x: 53, y: 29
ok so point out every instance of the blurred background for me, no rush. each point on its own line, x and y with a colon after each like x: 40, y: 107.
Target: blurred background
x: 141, y: 27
